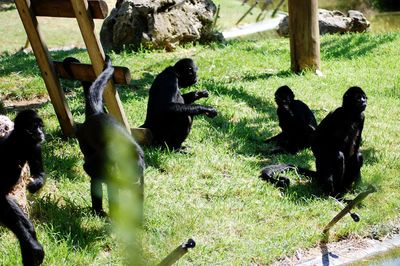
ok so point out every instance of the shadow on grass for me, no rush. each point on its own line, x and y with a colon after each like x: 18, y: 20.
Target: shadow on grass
x: 351, y: 46
x: 154, y: 156
x: 138, y: 88
x: 25, y: 63
x: 55, y: 156
x: 243, y: 134
x: 280, y: 74
x: 28, y: 105
x: 65, y: 221
x: 371, y: 156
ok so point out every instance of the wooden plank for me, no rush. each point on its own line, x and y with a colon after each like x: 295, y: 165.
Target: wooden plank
x: 304, y: 35
x: 97, y: 56
x: 85, y: 72
x: 46, y: 67
x: 142, y: 135
x: 63, y: 8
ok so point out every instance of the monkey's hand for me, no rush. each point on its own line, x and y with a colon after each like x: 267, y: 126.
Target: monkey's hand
x: 35, y: 183
x: 202, y: 94
x: 211, y: 112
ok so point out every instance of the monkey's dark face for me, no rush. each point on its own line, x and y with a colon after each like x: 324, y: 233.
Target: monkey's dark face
x: 355, y: 100
x: 284, y: 97
x: 186, y: 71
x: 30, y: 125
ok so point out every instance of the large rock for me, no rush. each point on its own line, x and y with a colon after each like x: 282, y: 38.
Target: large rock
x: 160, y: 24
x: 6, y: 126
x: 332, y: 22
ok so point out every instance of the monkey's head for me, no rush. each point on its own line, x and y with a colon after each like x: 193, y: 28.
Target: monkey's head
x: 284, y: 96
x: 354, y: 100
x: 186, y: 71
x: 29, y: 125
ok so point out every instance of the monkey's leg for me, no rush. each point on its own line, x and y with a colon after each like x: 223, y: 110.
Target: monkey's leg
x: 325, y: 173
x: 353, y: 170
x: 113, y: 198
x: 277, y: 138
x: 96, y: 193
x: 13, y: 218
x: 338, y: 176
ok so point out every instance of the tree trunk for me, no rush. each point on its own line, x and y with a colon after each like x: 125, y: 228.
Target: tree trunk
x: 304, y: 35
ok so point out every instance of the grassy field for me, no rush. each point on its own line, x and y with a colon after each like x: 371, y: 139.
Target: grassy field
x: 213, y: 193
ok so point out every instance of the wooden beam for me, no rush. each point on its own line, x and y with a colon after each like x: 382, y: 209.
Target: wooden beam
x: 304, y: 35
x: 63, y: 8
x: 85, y: 72
x: 46, y: 67
x: 96, y: 54
x: 142, y: 135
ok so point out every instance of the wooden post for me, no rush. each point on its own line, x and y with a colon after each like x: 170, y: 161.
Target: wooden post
x: 46, y: 67
x: 63, y: 8
x: 304, y: 35
x: 177, y: 253
x: 97, y: 56
x: 370, y: 189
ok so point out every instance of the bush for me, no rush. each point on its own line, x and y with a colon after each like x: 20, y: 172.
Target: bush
x: 354, y: 4
x: 386, y: 5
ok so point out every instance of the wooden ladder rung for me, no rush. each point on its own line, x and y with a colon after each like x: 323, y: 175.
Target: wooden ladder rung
x: 142, y: 135
x: 85, y: 72
x: 63, y: 8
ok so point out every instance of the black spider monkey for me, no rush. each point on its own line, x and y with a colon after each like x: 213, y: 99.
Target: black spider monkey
x: 296, y: 121
x: 170, y: 113
x: 335, y: 145
x: 337, y: 142
x: 98, y: 136
x: 22, y: 145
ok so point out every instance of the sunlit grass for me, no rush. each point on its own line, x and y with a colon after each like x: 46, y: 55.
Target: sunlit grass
x: 213, y: 193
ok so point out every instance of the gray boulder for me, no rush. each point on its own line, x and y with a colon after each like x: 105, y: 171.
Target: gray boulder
x: 332, y: 22
x: 160, y: 24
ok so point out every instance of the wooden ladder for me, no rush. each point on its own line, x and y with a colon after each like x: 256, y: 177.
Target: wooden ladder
x: 84, y: 11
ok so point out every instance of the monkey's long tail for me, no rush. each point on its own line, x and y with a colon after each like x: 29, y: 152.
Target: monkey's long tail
x: 306, y: 172
x: 94, y: 99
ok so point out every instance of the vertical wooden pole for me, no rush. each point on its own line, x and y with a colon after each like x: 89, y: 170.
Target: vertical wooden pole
x: 304, y: 35
x: 46, y: 66
x: 96, y: 55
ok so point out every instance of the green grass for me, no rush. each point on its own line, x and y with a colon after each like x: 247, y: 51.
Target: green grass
x: 213, y: 193
x: 231, y: 11
x: 56, y: 32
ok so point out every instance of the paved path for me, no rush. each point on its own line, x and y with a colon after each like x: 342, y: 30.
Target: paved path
x: 350, y: 254
x: 265, y: 25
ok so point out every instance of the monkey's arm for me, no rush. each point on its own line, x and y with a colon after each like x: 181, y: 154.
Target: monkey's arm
x: 359, y: 139
x: 36, y: 167
x: 194, y: 96
x: 191, y: 109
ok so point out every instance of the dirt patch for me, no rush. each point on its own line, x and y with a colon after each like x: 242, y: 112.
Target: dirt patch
x: 325, y: 251
x: 21, y: 104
